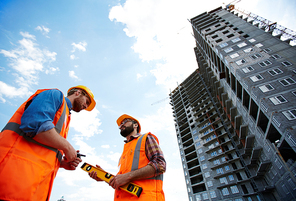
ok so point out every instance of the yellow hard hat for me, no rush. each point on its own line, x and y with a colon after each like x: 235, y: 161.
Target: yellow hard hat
x: 89, y: 93
x: 125, y: 116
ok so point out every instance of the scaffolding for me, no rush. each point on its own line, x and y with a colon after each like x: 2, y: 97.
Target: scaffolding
x: 274, y: 28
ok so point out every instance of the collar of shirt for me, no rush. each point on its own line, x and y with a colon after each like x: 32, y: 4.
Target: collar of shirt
x: 68, y: 103
x: 133, y: 137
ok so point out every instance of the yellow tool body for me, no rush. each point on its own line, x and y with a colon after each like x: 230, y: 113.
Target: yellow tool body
x: 131, y: 188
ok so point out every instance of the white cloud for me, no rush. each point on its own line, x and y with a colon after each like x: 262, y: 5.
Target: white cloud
x: 107, y: 146
x: 72, y: 56
x: 52, y: 70
x: 72, y: 75
x: 27, y: 60
x: 11, y: 92
x: 44, y: 30
x: 86, y: 123
x: 163, y: 37
x: 80, y: 46
x: 161, y: 121
x: 27, y: 35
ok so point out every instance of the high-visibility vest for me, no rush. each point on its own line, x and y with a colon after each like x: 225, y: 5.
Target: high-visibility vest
x: 28, y: 168
x: 133, y: 158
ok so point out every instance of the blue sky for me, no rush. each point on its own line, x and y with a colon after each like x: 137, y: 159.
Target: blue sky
x: 129, y: 53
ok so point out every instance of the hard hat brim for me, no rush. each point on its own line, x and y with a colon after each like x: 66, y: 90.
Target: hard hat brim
x: 92, y: 100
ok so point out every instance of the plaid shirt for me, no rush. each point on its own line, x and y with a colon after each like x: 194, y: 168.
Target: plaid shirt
x: 153, y: 153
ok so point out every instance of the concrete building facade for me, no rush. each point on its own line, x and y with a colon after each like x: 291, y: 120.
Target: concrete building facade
x: 235, y: 116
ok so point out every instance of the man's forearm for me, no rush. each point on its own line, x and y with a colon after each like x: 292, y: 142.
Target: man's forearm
x: 142, y: 173
x: 53, y: 139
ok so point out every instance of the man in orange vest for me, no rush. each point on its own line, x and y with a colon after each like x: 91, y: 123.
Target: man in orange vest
x: 142, y: 162
x: 33, y: 143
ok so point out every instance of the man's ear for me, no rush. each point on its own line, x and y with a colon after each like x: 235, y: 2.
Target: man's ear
x: 136, y: 125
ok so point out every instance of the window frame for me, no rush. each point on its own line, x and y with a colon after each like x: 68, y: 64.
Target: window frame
x: 276, y: 100
x: 274, y: 71
x: 261, y: 88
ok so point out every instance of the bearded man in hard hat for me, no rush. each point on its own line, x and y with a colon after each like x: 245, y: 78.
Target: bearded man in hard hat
x: 142, y: 162
x: 33, y: 143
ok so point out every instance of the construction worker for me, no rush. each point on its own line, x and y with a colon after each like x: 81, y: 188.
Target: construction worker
x: 33, y: 144
x: 142, y: 162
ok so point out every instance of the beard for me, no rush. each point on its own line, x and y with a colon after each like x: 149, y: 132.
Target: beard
x: 77, y: 104
x: 128, y: 130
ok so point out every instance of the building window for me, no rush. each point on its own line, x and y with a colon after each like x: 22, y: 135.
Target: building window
x: 225, y: 32
x: 236, y: 40
x: 248, y: 50
x: 219, y: 171
x: 290, y: 114
x: 223, y: 180
x: 227, y: 168
x: 227, y: 50
x: 213, y: 194
x: 234, y: 189
x: 278, y: 100
x: 225, y: 191
x: 216, y: 162
x: 223, y: 159
x: 243, y: 44
x: 210, y: 183
x: 214, y: 153
x: 197, y: 144
x: 202, y: 158
x: 248, y: 69
x: 204, y: 166
x: 238, y: 199
x: 200, y: 151
x: 294, y: 93
x: 275, y: 72
x: 211, y: 146
x: 240, y: 62
x: 230, y: 35
x: 265, y: 63
x: 217, y: 25
x: 286, y: 63
x: 234, y: 55
x: 256, y: 56
x: 208, y: 139
x: 266, y: 88
x: 267, y: 50
x: 287, y: 81
x: 223, y: 45
x: 215, y: 36
x: 198, y: 197
x: 218, y: 41
x: 276, y: 56
x: 207, y: 174
x: 259, y: 45
x: 256, y: 78
x: 231, y: 178
x: 252, y: 40
x: 205, y: 196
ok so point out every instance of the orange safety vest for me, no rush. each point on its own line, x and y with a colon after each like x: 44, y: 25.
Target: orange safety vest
x: 133, y: 158
x: 27, y: 167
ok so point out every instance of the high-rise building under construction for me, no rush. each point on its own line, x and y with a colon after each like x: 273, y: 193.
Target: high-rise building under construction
x: 235, y: 116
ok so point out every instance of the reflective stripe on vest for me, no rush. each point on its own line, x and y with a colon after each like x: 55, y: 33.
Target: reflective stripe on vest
x: 15, y: 128
x: 135, y: 164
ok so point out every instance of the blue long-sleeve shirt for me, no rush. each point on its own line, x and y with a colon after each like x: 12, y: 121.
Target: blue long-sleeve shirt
x: 38, y: 117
